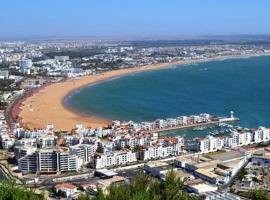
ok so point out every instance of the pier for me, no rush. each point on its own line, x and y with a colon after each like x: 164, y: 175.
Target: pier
x: 221, y: 120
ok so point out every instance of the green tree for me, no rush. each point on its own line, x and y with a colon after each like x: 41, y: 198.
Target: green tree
x: 259, y: 195
x: 8, y: 190
x: 143, y: 187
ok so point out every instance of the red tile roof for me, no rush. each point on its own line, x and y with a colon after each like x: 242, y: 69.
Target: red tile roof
x: 65, y: 186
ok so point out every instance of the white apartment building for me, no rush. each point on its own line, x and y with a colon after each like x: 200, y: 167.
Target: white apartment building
x: 235, y: 139
x: 25, y: 63
x: 114, y: 159
x: 47, y: 141
x: 31, y: 160
x: 21, y: 151
x: 262, y: 134
x: 26, y: 142
x: 29, y: 134
x: 84, y: 151
x: 210, y: 144
x: 131, y: 141
x: 69, y: 162
x: 70, y: 140
x: 47, y: 160
x: 160, y: 151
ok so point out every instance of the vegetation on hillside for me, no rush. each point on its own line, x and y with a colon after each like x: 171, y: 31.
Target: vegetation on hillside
x: 143, y: 187
x: 259, y: 195
x: 9, y: 191
x: 77, y: 53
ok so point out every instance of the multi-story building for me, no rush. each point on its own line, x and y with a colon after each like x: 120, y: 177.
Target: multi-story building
x: 114, y: 159
x: 25, y: 63
x: 28, y: 163
x: 235, y: 139
x: 21, y: 150
x: 47, y: 141
x: 70, y: 140
x: 166, y: 147
x: 26, y: 142
x: 210, y: 143
x: 69, y: 162
x: 47, y: 160
x: 262, y: 134
x: 84, y: 151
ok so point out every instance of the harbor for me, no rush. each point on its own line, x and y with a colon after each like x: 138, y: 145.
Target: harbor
x: 198, y: 125
x: 198, y: 122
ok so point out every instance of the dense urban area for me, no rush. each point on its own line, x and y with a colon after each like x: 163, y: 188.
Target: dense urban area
x: 90, y: 162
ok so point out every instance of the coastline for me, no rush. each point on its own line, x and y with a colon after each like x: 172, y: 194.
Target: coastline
x: 48, y: 106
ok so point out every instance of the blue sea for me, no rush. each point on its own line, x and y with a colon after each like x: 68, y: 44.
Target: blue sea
x: 214, y: 87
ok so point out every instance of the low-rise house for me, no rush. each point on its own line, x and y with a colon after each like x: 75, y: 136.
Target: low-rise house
x: 66, y: 188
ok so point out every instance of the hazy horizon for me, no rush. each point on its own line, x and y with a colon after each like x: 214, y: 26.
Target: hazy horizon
x: 132, y: 19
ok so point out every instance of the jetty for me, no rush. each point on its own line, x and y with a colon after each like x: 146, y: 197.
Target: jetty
x: 221, y: 120
x: 181, y: 122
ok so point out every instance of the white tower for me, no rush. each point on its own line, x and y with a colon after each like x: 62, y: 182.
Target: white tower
x: 232, y: 114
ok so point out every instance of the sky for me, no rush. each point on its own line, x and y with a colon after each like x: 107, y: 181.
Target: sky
x: 131, y: 18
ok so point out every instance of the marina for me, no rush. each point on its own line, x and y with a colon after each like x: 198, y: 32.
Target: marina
x: 197, y: 122
x: 199, y: 125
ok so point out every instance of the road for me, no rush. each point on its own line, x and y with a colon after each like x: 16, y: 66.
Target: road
x: 3, y: 175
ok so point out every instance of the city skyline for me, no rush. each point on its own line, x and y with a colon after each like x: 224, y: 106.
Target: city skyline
x: 125, y: 99
x: 140, y: 19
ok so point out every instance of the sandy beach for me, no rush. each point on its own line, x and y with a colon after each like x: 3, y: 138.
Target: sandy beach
x: 46, y: 106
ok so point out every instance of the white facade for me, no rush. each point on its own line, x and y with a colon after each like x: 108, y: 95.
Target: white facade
x: 84, y: 151
x: 261, y: 135
x: 114, y: 159
x: 160, y: 151
x: 211, y: 143
x: 69, y: 162
x: 25, y: 63
x: 47, y: 161
x: 47, y: 141
x: 236, y: 139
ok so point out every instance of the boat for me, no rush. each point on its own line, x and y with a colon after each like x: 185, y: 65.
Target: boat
x: 199, y: 128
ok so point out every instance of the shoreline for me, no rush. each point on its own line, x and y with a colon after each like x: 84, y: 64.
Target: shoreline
x: 37, y: 109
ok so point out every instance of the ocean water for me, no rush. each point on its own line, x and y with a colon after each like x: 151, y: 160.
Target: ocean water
x: 215, y: 87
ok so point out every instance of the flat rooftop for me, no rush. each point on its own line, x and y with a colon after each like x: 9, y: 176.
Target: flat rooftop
x: 156, y: 164
x: 108, y: 182
x: 182, y: 174
x: 207, y: 173
x: 228, y: 155
x: 165, y: 168
x: 106, y: 172
x: 203, y: 187
x: 231, y: 164
x: 208, y: 164
x: 190, y: 159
